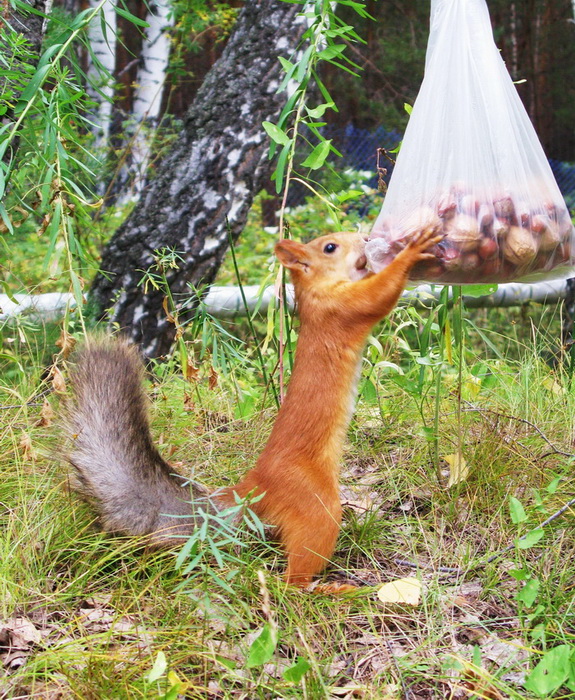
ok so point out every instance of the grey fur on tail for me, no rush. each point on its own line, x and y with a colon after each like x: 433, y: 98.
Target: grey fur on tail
x: 116, y: 466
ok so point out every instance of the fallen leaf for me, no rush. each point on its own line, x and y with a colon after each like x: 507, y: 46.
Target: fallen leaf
x: 458, y: 469
x: 165, y: 306
x: 58, y: 381
x: 356, y: 499
x: 18, y: 633
x: 402, y: 590
x: 28, y: 452
x: 505, y: 652
x: 66, y: 342
x: 350, y: 690
x: 46, y: 415
x: 192, y: 372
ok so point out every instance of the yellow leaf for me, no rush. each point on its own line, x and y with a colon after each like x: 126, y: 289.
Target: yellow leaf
x: 458, y: 469
x: 472, y: 387
x: 553, y: 386
x: 402, y: 590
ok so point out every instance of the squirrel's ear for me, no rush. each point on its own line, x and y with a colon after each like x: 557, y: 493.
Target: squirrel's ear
x: 292, y: 254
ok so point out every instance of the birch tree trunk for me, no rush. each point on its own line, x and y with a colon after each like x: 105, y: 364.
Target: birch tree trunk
x: 32, y: 27
x: 101, y: 66
x: 217, y: 165
x: 149, y: 89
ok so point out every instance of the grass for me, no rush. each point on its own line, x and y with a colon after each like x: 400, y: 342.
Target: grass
x: 84, y: 615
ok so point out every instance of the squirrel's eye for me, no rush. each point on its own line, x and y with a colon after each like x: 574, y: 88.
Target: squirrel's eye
x: 330, y: 248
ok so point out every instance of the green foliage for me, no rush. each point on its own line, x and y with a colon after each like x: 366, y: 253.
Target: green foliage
x: 263, y: 647
x: 47, y: 172
x: 215, y: 538
x: 394, y: 50
x: 16, y: 67
x: 556, y: 668
x: 298, y: 122
x: 192, y: 18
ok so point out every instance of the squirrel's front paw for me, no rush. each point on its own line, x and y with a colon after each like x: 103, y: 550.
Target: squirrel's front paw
x: 422, y: 241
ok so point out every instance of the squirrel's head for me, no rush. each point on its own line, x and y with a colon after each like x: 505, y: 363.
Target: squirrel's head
x: 338, y: 257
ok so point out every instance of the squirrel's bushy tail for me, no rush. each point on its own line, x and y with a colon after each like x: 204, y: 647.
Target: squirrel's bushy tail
x: 116, y: 465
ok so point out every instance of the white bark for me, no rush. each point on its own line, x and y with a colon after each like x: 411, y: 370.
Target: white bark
x: 42, y: 307
x: 227, y: 302
x: 149, y: 88
x: 101, y: 84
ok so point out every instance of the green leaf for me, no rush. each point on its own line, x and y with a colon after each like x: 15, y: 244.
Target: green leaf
x: 570, y: 683
x: 343, y: 67
x: 408, y: 108
x: 278, y: 174
x: 537, y: 634
x: 551, y: 672
x: 331, y: 52
x: 294, y: 673
x: 276, y: 134
x: 220, y: 582
x: 289, y: 69
x: 303, y: 64
x: 35, y: 82
x: 350, y: 194
x: 159, y: 668
x: 530, y: 539
x: 517, y: 511
x: 428, y: 433
x: 173, y: 693
x: 318, y: 156
x: 477, y: 656
x: 324, y: 91
x: 369, y: 392
x: 479, y: 290
x: 553, y: 485
x: 320, y: 110
x: 6, y: 217
x: 528, y: 594
x: 486, y: 339
x: 288, y: 108
x: 286, y: 65
x: 263, y: 647
x: 341, y: 31
x: 228, y: 663
x: 130, y: 17
x: 520, y: 574
x: 186, y: 551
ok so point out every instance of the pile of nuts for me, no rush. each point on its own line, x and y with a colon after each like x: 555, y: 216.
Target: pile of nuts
x: 485, y: 241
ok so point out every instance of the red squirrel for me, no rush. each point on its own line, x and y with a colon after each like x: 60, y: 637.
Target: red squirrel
x: 136, y: 492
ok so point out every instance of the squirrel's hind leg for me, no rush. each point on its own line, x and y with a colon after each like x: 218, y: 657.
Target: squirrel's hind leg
x: 309, y: 541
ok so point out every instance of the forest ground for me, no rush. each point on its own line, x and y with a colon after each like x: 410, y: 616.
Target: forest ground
x: 85, y: 615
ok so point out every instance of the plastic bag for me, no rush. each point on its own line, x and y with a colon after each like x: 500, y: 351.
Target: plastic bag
x: 471, y: 165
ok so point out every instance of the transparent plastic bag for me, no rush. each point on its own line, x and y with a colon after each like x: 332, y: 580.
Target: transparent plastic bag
x: 471, y: 165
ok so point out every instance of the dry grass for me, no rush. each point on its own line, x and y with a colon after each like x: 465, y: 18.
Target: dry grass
x: 87, y: 616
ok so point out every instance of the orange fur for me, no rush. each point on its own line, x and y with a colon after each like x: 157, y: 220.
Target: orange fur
x: 339, y: 302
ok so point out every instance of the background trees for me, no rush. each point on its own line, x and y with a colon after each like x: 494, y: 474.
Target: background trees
x: 203, y: 189
x: 136, y: 158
